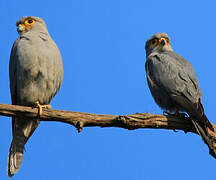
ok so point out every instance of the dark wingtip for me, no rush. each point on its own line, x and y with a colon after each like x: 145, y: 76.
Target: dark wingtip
x: 212, y: 152
x: 206, y: 137
x: 207, y: 123
x: 10, y: 175
x: 211, y: 127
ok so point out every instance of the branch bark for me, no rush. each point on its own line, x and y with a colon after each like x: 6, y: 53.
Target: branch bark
x: 81, y: 119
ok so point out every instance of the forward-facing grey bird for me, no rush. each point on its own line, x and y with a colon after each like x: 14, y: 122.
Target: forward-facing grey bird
x: 36, y: 74
x: 174, y: 85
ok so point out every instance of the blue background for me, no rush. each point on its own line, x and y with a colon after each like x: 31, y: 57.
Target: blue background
x: 102, y: 45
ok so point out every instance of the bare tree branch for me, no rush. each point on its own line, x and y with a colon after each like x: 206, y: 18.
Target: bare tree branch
x: 130, y: 122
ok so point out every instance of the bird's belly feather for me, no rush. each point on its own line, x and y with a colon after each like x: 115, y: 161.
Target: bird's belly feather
x: 39, y: 78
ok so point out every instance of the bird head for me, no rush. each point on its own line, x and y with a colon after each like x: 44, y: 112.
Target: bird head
x: 159, y: 42
x: 32, y: 23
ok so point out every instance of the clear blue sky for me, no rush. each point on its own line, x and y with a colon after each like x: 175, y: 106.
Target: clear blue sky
x: 102, y: 45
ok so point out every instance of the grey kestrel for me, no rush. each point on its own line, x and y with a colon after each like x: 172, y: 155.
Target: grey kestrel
x: 36, y: 74
x: 174, y: 85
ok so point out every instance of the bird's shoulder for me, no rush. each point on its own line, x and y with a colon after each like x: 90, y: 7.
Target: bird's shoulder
x: 177, y: 57
x: 186, y: 68
x: 162, y: 63
x: 171, y: 60
x: 36, y: 44
x: 173, y: 71
x: 169, y: 56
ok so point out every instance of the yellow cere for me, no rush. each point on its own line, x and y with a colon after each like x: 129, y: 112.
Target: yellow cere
x: 23, y: 26
x: 165, y: 39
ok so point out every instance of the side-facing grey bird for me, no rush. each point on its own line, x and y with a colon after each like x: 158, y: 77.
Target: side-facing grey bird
x: 36, y: 74
x: 174, y: 85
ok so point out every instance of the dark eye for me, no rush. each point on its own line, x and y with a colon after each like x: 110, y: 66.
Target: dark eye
x: 154, y: 42
x: 167, y: 39
x: 30, y: 21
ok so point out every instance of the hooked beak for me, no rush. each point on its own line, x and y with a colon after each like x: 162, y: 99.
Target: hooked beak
x: 162, y: 41
x: 21, y: 28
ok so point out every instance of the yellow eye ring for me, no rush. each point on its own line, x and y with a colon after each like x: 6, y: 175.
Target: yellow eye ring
x: 154, y: 42
x: 167, y: 40
x: 29, y: 22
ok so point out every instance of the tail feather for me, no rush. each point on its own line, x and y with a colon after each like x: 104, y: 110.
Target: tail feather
x: 207, y: 122
x: 14, y: 160
x: 202, y: 131
x: 199, y: 114
x: 22, y: 131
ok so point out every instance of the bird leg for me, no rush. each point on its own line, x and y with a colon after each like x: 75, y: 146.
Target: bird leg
x: 168, y: 113
x: 40, y: 107
x: 176, y: 113
x: 172, y: 114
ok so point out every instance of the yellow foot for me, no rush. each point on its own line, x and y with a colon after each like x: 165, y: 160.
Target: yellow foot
x: 40, y: 107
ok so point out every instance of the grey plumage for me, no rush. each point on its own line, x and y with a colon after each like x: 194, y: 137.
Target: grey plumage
x: 36, y: 74
x: 174, y: 85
